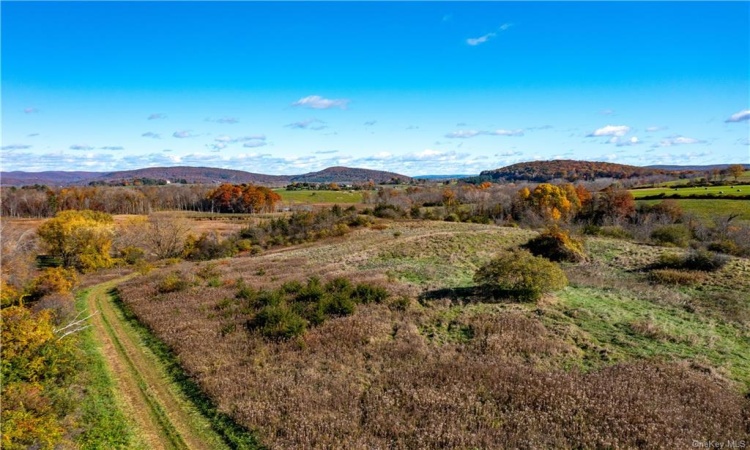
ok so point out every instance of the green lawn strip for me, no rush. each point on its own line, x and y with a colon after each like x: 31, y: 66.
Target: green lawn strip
x: 303, y: 196
x: 106, y: 426
x: 232, y: 434
x: 626, y: 327
x: 708, y: 209
x: 155, y: 409
x: 728, y: 191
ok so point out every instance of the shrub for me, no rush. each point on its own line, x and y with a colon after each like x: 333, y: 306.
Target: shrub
x: 726, y: 246
x: 521, y: 275
x: 671, y: 235
x: 556, y: 244
x: 705, y: 261
x: 278, y: 322
x: 674, y: 277
x: 368, y: 293
x: 131, y: 254
x: 173, y: 282
x: 53, y: 280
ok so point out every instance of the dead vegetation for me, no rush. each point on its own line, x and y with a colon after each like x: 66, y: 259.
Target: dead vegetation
x: 436, y: 373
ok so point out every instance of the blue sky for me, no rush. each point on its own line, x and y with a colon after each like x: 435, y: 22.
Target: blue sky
x: 416, y: 88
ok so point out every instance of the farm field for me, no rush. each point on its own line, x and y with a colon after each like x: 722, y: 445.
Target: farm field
x: 726, y: 191
x: 301, y: 196
x: 437, y: 365
x: 709, y: 209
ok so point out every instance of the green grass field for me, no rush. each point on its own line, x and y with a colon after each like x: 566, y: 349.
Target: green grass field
x: 320, y: 196
x: 708, y: 209
x: 728, y: 191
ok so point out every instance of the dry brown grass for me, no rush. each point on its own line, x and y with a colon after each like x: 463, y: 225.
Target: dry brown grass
x: 436, y: 375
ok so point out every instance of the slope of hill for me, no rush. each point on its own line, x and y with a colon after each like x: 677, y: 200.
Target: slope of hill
x: 197, y: 175
x: 698, y: 168
x: 568, y: 169
x: 351, y: 175
x: 18, y: 178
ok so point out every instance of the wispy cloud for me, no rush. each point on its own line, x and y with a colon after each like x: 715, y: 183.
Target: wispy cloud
x: 743, y: 141
x: 156, y: 116
x: 370, y: 123
x: 610, y: 130
x: 112, y: 147
x: 305, y: 124
x: 607, y: 112
x: 655, y: 129
x: 152, y: 135
x: 482, y: 39
x: 326, y: 152
x: 318, y: 102
x: 16, y: 147
x: 465, y: 134
x: 32, y: 135
x: 739, y: 116
x: 231, y: 140
x: 627, y: 142
x: 254, y: 144
x: 227, y: 120
x: 183, y: 134
x: 679, y: 140
x: 81, y: 147
x: 30, y: 110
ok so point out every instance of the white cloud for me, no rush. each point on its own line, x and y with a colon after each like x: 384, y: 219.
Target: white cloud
x: 254, y: 144
x: 16, y: 147
x: 305, y: 124
x: 152, y: 135
x: 81, y: 147
x: 156, y: 116
x: 227, y: 120
x: 112, y: 147
x: 628, y: 142
x: 183, y: 134
x: 739, y: 116
x: 318, y: 102
x: 655, y: 129
x: 679, y: 140
x: 506, y: 133
x: 610, y: 130
x: 480, y: 39
x: 30, y: 110
x: 465, y: 134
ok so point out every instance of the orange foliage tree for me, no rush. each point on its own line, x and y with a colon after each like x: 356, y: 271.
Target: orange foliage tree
x: 245, y: 198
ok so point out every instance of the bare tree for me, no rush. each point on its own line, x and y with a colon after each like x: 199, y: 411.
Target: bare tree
x: 165, y: 234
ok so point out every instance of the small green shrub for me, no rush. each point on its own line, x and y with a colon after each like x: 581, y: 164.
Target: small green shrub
x: 556, y: 244
x: 521, y: 275
x: 671, y: 235
x: 726, y: 246
x: 674, y: 277
x: 279, y: 322
x: 701, y: 260
x: 173, y: 282
x: 368, y: 293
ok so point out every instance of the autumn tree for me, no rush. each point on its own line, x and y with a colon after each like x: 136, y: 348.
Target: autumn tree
x: 165, y: 235
x: 81, y: 239
x: 736, y: 170
x: 245, y: 198
x: 614, y: 204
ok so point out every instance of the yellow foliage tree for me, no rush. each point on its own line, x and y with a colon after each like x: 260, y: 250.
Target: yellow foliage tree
x: 82, y: 239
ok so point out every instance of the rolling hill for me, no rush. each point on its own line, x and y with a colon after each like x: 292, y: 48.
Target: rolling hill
x: 571, y: 170
x: 197, y: 175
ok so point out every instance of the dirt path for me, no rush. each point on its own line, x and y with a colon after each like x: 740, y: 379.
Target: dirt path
x: 164, y: 418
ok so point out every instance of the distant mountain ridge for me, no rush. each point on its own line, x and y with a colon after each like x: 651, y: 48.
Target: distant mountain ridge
x: 541, y: 171
x: 198, y: 175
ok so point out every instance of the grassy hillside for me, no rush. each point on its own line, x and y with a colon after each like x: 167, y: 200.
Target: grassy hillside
x: 611, y: 361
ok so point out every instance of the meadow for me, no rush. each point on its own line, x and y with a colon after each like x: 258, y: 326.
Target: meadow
x: 438, y: 365
x: 708, y: 210
x: 718, y: 191
x: 314, y: 197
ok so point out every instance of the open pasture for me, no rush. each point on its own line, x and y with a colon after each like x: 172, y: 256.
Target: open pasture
x: 718, y: 191
x: 313, y: 197
x: 438, y: 366
x: 710, y: 209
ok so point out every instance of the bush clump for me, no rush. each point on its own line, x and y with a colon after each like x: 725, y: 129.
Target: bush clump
x: 671, y: 235
x: 556, y: 244
x: 173, y: 282
x: 674, y: 277
x: 521, y: 275
x: 701, y: 260
x: 287, y: 311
